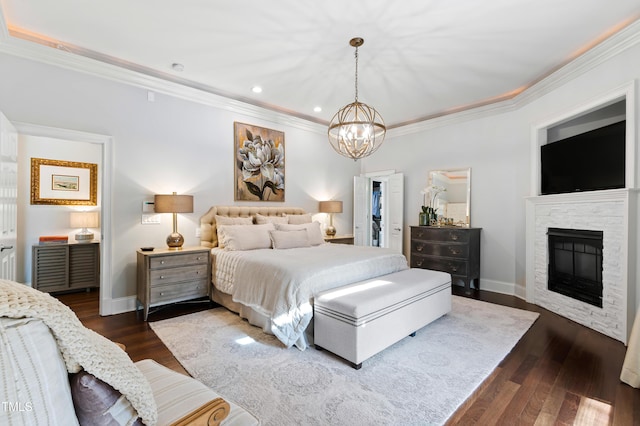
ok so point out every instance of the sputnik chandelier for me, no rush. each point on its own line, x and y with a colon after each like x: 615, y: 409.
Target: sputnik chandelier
x: 356, y: 130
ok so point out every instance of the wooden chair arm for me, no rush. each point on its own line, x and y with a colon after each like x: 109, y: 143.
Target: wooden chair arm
x: 210, y: 414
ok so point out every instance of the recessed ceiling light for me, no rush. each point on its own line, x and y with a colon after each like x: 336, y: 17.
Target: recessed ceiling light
x: 177, y: 67
x: 256, y: 89
x: 317, y: 109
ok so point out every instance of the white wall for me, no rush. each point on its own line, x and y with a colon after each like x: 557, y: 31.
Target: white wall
x: 167, y: 145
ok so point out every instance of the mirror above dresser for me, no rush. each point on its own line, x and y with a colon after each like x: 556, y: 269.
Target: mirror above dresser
x: 454, y: 202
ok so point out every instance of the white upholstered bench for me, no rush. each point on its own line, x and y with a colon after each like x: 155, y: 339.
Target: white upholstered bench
x: 357, y: 321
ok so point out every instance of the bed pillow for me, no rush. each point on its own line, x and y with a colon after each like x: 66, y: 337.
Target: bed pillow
x: 289, y: 239
x: 245, y: 237
x: 226, y: 220
x: 98, y: 404
x: 34, y: 375
x: 298, y: 219
x: 260, y: 219
x: 313, y: 231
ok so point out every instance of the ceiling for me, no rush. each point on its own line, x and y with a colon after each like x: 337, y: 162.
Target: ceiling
x: 420, y: 58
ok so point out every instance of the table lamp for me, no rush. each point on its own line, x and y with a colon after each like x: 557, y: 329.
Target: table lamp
x: 173, y: 203
x: 84, y: 220
x: 330, y: 207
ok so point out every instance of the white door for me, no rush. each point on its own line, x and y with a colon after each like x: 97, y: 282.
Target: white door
x: 395, y: 211
x: 8, y: 198
x: 361, y: 210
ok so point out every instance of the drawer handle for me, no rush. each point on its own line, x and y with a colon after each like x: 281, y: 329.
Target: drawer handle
x: 454, y: 237
x: 420, y: 234
x: 162, y: 293
x: 454, y: 251
x: 162, y: 262
x: 454, y: 268
x: 419, y: 263
x: 162, y: 277
x: 197, y: 272
x: 419, y: 247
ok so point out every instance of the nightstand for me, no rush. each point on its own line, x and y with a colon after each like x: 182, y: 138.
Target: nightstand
x: 169, y: 276
x: 339, y: 239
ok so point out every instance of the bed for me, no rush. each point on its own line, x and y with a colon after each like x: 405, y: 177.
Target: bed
x: 273, y: 288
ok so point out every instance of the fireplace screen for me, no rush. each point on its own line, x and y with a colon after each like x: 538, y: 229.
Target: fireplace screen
x: 575, y: 264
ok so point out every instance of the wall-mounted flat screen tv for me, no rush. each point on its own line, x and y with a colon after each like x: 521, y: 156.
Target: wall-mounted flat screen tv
x: 590, y: 161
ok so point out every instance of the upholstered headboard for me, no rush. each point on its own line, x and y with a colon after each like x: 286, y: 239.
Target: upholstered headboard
x: 208, y: 232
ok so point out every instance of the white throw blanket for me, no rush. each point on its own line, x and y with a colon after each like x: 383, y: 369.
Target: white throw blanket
x: 280, y: 284
x: 81, y: 347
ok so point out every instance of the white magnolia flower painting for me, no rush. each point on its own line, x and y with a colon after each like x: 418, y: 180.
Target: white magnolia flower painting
x: 259, y: 171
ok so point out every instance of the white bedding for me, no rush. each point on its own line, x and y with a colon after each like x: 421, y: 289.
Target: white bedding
x: 280, y: 284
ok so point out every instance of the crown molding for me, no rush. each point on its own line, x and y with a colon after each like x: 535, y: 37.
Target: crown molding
x: 617, y: 43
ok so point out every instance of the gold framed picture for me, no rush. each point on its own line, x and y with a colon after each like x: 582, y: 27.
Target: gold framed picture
x: 259, y: 163
x: 56, y: 182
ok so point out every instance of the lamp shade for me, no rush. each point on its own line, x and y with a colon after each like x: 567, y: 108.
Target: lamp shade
x: 173, y: 203
x: 84, y: 219
x: 330, y: 206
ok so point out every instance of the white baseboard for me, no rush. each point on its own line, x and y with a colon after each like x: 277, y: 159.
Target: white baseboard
x: 117, y: 306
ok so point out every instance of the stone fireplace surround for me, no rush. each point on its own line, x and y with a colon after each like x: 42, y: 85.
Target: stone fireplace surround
x: 610, y: 211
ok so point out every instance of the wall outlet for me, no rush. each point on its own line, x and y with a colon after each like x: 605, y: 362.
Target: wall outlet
x: 198, y: 232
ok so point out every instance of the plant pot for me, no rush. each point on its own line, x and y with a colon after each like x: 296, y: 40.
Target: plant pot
x: 423, y: 219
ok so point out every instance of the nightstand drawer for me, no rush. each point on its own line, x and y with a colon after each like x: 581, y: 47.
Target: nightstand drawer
x: 451, y: 266
x: 159, y: 262
x: 178, y: 292
x: 440, y: 249
x: 427, y: 233
x: 174, y: 275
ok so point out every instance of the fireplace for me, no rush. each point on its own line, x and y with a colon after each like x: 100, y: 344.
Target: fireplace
x: 575, y: 264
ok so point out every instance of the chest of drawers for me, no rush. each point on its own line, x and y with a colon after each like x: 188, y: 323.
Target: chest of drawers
x: 448, y: 249
x: 62, y: 267
x: 168, y: 276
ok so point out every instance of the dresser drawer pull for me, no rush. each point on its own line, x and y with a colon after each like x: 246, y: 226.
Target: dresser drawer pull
x: 454, y: 251
x: 419, y: 247
x: 420, y: 234
x: 198, y: 258
x: 162, y: 262
x: 162, y: 293
x: 162, y: 277
x: 419, y: 263
x: 454, y: 237
x: 454, y: 268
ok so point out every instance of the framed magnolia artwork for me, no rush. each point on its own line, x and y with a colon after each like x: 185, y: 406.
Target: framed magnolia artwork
x: 56, y: 182
x: 259, y: 163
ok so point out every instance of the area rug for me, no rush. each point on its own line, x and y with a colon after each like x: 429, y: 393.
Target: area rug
x: 419, y: 380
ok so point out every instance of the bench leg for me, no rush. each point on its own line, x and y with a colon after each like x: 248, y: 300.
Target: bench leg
x: 413, y: 334
x: 356, y: 366
x: 320, y: 348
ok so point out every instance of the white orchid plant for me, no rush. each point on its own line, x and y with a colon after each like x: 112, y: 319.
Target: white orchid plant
x: 430, y: 193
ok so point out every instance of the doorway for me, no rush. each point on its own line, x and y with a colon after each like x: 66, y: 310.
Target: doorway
x: 51, y: 143
x: 378, y: 210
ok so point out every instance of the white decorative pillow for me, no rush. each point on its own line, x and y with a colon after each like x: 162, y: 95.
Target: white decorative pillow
x: 298, y: 219
x: 245, y: 237
x: 313, y: 231
x: 260, y: 219
x: 289, y: 239
x: 34, y: 375
x: 226, y: 220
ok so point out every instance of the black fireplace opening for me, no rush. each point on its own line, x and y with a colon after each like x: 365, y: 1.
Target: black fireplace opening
x: 575, y: 264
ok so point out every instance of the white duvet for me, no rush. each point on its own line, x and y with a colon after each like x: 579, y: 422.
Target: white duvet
x: 280, y: 284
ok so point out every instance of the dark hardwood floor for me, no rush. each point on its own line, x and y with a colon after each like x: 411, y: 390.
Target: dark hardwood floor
x: 560, y: 373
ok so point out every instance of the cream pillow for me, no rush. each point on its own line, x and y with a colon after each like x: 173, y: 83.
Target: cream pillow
x: 245, y: 237
x: 289, y: 239
x: 313, y: 231
x: 298, y: 219
x: 260, y: 219
x: 226, y: 220
x: 34, y: 374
